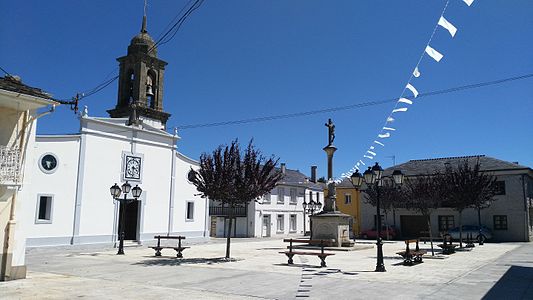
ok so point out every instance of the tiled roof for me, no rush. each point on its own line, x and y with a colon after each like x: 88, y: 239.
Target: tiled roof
x: 431, y: 165
x: 295, y: 177
x: 14, y: 84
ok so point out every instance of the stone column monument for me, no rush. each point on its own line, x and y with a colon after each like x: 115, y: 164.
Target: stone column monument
x: 330, y: 223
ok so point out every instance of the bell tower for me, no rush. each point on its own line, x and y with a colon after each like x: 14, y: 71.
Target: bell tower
x: 140, y: 85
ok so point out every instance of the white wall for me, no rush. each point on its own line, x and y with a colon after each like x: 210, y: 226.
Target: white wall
x: 61, y: 185
x: 185, y: 191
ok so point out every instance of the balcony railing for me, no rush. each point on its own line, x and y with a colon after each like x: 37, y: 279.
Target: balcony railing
x: 9, y: 165
x: 225, y: 211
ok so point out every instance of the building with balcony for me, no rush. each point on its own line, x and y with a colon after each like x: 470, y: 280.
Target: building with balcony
x: 278, y: 213
x: 18, y: 116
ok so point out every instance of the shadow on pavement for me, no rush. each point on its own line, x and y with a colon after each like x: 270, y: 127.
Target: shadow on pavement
x: 516, y: 283
x: 172, y: 261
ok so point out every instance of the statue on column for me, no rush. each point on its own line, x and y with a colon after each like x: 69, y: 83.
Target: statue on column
x: 331, y: 132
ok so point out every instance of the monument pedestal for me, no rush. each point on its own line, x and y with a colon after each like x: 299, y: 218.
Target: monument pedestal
x: 332, y: 225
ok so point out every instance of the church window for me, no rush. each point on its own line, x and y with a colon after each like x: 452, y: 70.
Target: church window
x: 190, y: 211
x: 44, y: 209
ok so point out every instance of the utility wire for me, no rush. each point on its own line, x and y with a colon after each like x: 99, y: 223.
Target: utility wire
x: 172, y: 30
x: 5, y: 71
x: 352, y: 106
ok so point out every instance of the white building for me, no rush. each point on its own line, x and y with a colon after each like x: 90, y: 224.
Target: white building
x: 277, y: 213
x: 68, y: 201
x: 18, y: 119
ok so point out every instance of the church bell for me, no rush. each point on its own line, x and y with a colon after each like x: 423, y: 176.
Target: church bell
x: 149, y: 91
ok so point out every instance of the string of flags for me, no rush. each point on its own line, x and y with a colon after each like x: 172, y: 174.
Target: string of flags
x: 403, y: 102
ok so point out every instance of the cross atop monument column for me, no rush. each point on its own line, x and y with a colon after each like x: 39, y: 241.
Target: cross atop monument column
x: 329, y: 202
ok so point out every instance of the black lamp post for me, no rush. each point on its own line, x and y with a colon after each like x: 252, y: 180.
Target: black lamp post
x: 373, y: 176
x: 310, y: 208
x: 115, y: 193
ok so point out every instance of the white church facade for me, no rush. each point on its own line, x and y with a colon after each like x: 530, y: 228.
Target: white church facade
x: 68, y: 200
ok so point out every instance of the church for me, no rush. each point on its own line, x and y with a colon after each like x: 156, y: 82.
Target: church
x: 67, y: 200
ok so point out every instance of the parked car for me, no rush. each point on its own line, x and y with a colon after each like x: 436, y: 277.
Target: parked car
x: 373, y: 233
x: 472, y: 230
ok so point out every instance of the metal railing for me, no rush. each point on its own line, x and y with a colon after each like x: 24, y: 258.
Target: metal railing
x: 225, y: 211
x: 9, y: 165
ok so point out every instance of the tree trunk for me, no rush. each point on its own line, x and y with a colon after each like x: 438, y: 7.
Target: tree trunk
x: 461, y: 229
x: 430, y: 236
x: 228, y: 239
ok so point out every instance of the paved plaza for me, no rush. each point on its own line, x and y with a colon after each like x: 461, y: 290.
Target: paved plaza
x: 491, y: 271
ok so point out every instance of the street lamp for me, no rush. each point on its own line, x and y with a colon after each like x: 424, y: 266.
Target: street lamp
x: 372, y: 176
x: 310, y: 208
x: 115, y: 193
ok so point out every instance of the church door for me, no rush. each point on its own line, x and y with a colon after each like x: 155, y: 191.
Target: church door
x: 131, y: 220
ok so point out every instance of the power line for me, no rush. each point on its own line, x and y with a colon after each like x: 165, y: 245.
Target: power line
x: 5, y: 71
x: 352, y: 106
x: 174, y: 28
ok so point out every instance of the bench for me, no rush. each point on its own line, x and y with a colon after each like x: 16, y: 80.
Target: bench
x: 179, y: 249
x: 322, y: 255
x: 411, y: 257
x: 447, y: 246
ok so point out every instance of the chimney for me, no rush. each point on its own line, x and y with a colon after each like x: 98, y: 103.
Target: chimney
x: 313, y: 174
x: 283, y: 168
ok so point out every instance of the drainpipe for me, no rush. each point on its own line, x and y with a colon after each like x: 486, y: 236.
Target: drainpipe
x: 526, y: 231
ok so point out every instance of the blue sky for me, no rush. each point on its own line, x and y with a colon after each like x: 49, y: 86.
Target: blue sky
x: 234, y: 60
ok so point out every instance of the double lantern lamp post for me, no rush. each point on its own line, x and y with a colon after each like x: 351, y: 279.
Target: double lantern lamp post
x: 310, y: 208
x: 115, y: 193
x: 372, y: 176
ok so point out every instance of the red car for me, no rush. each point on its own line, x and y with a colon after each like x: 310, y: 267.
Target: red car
x: 373, y: 233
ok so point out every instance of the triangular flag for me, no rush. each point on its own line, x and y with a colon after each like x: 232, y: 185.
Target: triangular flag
x: 371, y: 147
x: 384, y: 136
x: 369, y: 157
x: 362, y: 162
x: 389, y: 128
x: 405, y: 100
x: 416, y: 72
x: 434, y: 53
x: 399, y: 109
x: 448, y: 26
x: 370, y: 152
x: 379, y: 143
x: 390, y: 119
x: 412, y: 89
x: 357, y: 164
x: 468, y: 2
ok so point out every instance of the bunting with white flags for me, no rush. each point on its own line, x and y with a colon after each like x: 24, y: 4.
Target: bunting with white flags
x: 416, y: 72
x: 405, y: 100
x: 401, y: 109
x: 429, y: 51
x: 448, y: 26
x: 412, y: 89
x: 436, y: 55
